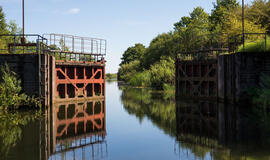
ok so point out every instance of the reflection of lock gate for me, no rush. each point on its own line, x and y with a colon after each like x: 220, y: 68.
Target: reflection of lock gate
x: 79, y: 118
x: 79, y: 126
x: 198, y: 123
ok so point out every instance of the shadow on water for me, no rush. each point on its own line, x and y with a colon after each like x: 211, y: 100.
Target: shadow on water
x: 201, y: 129
x: 74, y: 129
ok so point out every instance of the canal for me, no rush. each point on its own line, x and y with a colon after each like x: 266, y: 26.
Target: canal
x: 134, y: 124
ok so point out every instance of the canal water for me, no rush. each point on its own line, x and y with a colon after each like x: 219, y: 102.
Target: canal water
x: 135, y: 124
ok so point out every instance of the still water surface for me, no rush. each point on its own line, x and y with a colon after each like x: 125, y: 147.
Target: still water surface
x: 133, y: 124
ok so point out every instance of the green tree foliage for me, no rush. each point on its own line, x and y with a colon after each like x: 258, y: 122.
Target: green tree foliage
x: 13, y: 28
x: 3, y: 28
x: 259, y: 13
x: 3, y: 24
x: 197, y: 31
x: 126, y: 71
x: 163, y: 45
x: 193, y: 31
x: 133, y: 53
x: 162, y: 73
x: 11, y: 96
x: 6, y: 28
x: 220, y: 12
x: 142, y: 79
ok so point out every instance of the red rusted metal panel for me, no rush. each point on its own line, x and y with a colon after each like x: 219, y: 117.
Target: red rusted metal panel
x: 74, y: 82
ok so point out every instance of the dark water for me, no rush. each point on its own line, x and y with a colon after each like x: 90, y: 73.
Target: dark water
x: 134, y: 124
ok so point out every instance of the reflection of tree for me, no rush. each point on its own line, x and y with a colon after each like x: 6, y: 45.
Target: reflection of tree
x: 158, y: 107
x: 11, y: 128
x: 197, y: 125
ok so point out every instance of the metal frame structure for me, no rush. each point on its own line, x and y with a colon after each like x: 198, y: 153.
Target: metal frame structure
x: 196, y: 78
x: 75, y: 82
x: 79, y: 62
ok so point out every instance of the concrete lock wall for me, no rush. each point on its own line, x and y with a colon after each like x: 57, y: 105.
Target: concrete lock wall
x: 36, y: 80
x: 238, y: 72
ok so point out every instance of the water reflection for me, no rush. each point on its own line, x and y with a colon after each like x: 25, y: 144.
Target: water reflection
x: 190, y: 130
x: 73, y: 130
x: 78, y: 130
x: 201, y: 129
x: 11, y: 129
x: 157, y: 106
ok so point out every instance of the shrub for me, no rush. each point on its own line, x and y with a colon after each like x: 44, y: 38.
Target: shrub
x: 141, y: 79
x: 162, y: 73
x: 11, y: 96
x: 126, y: 71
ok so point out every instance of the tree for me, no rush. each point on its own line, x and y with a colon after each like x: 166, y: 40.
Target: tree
x: 259, y: 13
x: 162, y: 45
x: 193, y: 31
x: 3, y: 28
x: 221, y: 9
x: 133, y: 53
x: 13, y: 28
x: 3, y: 24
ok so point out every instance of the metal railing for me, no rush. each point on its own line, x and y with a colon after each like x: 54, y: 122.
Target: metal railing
x: 63, y: 47
x: 22, y: 44
x: 76, y: 44
x: 205, y: 54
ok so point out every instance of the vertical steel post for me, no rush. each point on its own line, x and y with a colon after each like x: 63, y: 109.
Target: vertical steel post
x: 265, y: 38
x: 243, y: 24
x: 23, y: 16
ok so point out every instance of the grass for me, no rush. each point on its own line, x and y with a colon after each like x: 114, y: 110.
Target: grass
x: 257, y: 46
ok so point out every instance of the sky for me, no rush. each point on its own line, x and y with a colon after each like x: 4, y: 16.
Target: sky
x: 121, y: 22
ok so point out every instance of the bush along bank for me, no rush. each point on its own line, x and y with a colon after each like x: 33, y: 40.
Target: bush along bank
x: 11, y: 96
x: 159, y: 76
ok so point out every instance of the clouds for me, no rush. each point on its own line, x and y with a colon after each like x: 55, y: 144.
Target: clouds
x: 73, y: 11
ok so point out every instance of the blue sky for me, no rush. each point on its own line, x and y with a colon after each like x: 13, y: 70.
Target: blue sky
x: 121, y: 22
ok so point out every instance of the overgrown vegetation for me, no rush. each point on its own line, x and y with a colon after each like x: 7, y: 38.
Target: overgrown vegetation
x: 11, y: 96
x: 153, y: 66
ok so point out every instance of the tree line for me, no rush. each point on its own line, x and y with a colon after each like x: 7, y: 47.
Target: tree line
x: 153, y: 66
